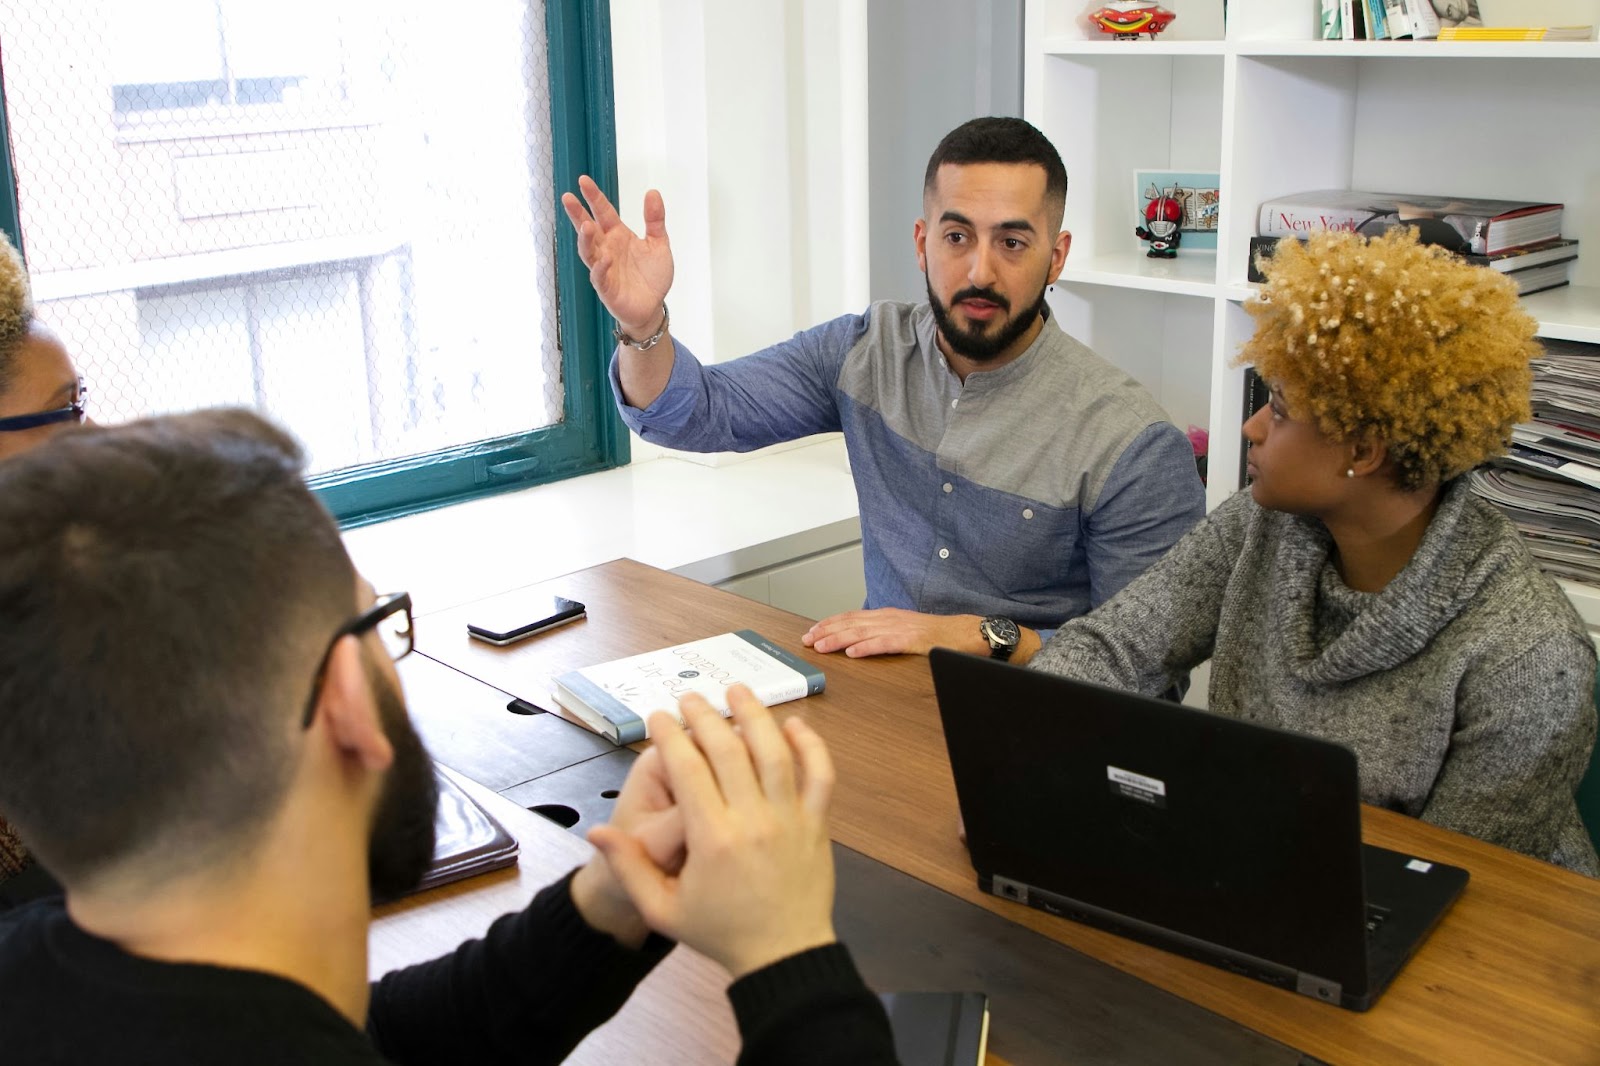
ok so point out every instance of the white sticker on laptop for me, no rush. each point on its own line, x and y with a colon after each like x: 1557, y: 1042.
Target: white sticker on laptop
x: 1419, y: 866
x: 1126, y: 783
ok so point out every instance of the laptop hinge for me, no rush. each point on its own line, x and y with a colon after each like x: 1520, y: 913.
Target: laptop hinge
x: 1169, y: 939
x: 1308, y: 984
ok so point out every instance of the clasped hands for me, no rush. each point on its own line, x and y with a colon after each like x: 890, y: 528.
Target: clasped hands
x: 719, y: 839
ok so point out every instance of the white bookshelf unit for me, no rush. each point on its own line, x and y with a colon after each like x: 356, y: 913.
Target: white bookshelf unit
x: 1274, y: 110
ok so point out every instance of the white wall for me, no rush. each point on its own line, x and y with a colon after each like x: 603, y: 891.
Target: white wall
x: 750, y: 117
x: 934, y: 65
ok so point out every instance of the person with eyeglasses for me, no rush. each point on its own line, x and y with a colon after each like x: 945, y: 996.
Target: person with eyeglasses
x: 1358, y: 589
x: 204, y: 736
x: 40, y: 390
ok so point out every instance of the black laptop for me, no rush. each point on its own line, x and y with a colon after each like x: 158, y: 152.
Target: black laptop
x: 1230, y: 842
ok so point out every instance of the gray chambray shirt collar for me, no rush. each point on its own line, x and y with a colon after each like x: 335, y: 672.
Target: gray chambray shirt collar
x: 981, y: 381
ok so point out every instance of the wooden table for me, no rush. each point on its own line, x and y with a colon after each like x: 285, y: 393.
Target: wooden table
x: 1512, y: 974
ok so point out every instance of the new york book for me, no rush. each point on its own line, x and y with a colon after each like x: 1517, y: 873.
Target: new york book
x: 1462, y: 224
x: 616, y: 698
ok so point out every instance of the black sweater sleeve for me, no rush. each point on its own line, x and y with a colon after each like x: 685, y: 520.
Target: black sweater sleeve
x: 809, y: 1008
x: 527, y: 992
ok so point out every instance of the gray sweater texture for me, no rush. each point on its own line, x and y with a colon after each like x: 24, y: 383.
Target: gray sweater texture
x: 1465, y: 687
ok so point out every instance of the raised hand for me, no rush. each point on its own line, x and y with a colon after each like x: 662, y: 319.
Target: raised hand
x: 630, y: 274
x: 756, y: 884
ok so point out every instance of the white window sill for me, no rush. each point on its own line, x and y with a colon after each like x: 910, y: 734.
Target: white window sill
x: 710, y: 523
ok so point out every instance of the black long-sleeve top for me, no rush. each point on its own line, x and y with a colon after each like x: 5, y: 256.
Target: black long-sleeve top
x: 527, y: 992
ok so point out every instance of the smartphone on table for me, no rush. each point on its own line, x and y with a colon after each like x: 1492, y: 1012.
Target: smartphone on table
x: 508, y: 622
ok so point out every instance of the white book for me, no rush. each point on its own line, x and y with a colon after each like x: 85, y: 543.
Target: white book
x: 1424, y: 19
x: 1397, y: 18
x: 616, y: 698
x: 1349, y: 14
x: 1332, y: 20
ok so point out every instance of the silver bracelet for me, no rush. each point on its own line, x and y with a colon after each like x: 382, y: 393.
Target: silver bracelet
x: 650, y: 341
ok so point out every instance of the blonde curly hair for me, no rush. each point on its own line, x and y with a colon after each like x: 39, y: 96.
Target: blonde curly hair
x: 16, y: 306
x: 1388, y: 339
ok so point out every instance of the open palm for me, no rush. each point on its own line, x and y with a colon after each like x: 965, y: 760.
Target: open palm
x: 630, y: 274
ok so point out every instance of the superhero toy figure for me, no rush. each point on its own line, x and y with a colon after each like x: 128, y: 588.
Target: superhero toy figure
x: 1125, y: 20
x: 1163, y: 215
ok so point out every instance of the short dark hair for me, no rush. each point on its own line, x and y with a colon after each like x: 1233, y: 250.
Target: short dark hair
x: 167, y: 588
x: 1001, y: 140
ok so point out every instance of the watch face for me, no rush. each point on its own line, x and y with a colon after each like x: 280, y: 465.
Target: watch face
x: 1002, y: 631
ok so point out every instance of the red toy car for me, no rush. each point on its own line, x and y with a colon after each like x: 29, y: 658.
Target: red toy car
x: 1127, y: 19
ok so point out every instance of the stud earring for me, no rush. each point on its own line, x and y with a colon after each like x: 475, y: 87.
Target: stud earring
x: 1351, y: 472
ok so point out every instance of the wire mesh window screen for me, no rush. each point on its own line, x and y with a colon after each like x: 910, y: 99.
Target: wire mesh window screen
x: 340, y: 213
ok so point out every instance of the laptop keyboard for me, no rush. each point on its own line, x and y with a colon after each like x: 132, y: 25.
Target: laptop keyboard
x: 1376, y: 916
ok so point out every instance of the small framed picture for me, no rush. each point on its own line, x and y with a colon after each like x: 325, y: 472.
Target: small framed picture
x: 1196, y: 193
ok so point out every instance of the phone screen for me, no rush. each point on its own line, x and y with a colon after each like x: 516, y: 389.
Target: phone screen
x: 516, y: 618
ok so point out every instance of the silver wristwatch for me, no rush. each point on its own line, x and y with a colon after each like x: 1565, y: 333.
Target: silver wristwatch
x: 1002, y: 634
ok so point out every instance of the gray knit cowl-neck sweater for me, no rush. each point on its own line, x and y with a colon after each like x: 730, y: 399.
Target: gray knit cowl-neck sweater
x: 1465, y: 686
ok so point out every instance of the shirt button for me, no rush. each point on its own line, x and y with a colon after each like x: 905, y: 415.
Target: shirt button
x: 1027, y: 512
x: 944, y: 553
x: 955, y: 401
x: 949, y: 487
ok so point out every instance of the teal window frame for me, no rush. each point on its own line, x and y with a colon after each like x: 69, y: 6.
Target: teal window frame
x: 591, y: 435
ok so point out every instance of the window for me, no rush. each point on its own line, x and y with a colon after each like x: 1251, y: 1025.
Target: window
x: 207, y: 57
x: 344, y: 215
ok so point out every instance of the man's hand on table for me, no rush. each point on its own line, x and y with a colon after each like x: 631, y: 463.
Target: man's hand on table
x: 894, y: 631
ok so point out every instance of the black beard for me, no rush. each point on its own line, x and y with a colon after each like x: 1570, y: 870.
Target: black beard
x: 979, y: 345
x: 401, y: 845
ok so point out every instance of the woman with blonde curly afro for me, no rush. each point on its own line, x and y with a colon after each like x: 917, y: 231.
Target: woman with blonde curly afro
x: 38, y: 385
x: 38, y: 396
x: 1358, y: 590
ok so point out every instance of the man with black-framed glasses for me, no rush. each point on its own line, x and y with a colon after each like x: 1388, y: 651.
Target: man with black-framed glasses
x: 204, y: 736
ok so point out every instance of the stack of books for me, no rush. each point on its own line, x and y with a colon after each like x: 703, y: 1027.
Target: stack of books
x: 1458, y: 20
x: 1379, y: 20
x: 1549, y: 483
x: 1521, y: 239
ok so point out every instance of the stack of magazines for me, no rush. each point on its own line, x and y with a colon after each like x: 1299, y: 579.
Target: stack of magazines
x: 1549, y: 483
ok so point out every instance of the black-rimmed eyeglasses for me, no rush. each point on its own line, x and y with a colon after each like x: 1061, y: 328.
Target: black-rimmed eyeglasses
x: 390, y: 618
x: 73, y: 412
